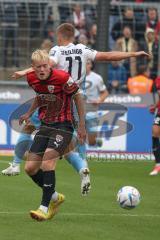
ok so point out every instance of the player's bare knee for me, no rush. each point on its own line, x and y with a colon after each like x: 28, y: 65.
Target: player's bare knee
x: 31, y: 167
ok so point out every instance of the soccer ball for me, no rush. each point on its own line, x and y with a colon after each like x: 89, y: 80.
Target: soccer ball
x: 128, y: 197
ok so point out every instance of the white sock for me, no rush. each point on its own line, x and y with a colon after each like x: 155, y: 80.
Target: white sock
x: 55, y: 196
x: 43, y: 208
x: 82, y: 171
x: 15, y: 164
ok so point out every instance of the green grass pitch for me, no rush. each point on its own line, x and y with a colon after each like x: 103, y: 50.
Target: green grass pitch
x: 95, y: 217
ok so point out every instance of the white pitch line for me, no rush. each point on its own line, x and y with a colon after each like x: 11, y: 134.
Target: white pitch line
x: 109, y: 214
x: 90, y: 214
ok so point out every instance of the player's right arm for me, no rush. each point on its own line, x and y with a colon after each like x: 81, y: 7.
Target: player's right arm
x: 22, y: 73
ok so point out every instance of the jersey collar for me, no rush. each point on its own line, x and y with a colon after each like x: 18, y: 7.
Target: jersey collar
x: 69, y: 45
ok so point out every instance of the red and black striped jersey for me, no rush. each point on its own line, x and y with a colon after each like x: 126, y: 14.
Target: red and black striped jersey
x: 54, y: 96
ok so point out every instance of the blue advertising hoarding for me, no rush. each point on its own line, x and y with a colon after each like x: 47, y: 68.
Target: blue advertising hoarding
x: 137, y: 140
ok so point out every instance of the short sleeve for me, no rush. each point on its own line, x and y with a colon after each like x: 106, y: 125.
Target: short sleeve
x: 101, y: 85
x: 90, y: 54
x: 54, y: 54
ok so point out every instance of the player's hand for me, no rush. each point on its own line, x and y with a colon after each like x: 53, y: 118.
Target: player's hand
x: 24, y: 119
x: 142, y: 54
x: 152, y: 109
x: 18, y: 74
x: 81, y: 133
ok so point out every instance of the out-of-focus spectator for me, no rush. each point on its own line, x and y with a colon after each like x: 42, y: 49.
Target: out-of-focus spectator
x: 153, y: 21
x: 117, y: 78
x: 140, y: 84
x: 9, y: 28
x: 41, y: 20
x: 48, y: 23
x: 128, y: 19
x: 34, y: 19
x: 64, y: 12
x: 90, y: 15
x: 127, y: 44
x: 151, y: 46
x: 47, y: 44
x: 93, y: 35
x: 78, y: 17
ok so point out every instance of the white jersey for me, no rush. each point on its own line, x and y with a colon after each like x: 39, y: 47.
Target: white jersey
x: 94, y: 85
x: 72, y: 59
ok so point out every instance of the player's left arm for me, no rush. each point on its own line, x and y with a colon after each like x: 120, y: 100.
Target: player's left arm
x: 117, y: 56
x: 25, y: 117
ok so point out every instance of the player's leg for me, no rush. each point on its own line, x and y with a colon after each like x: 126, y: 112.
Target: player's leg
x: 35, y: 156
x: 59, y: 139
x: 34, y: 168
x: 93, y: 139
x: 48, y: 188
x: 23, y: 144
x: 92, y: 123
x: 156, y: 145
x: 80, y: 164
x: 43, y: 174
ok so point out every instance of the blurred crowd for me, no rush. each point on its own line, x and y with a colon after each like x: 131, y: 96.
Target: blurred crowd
x: 130, y: 29
x: 134, y: 30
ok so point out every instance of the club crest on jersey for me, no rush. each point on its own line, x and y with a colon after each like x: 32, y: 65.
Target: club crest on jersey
x: 51, y: 88
x: 59, y: 138
x: 70, y: 82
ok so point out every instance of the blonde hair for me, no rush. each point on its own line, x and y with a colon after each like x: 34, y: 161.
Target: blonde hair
x: 39, y: 55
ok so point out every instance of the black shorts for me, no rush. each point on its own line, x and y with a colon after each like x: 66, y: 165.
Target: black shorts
x: 56, y: 136
x: 157, y: 120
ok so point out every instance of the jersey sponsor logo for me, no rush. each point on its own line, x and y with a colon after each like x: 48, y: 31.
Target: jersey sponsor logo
x: 72, y: 51
x: 70, y: 82
x: 51, y: 88
x: 59, y: 138
x: 47, y: 185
